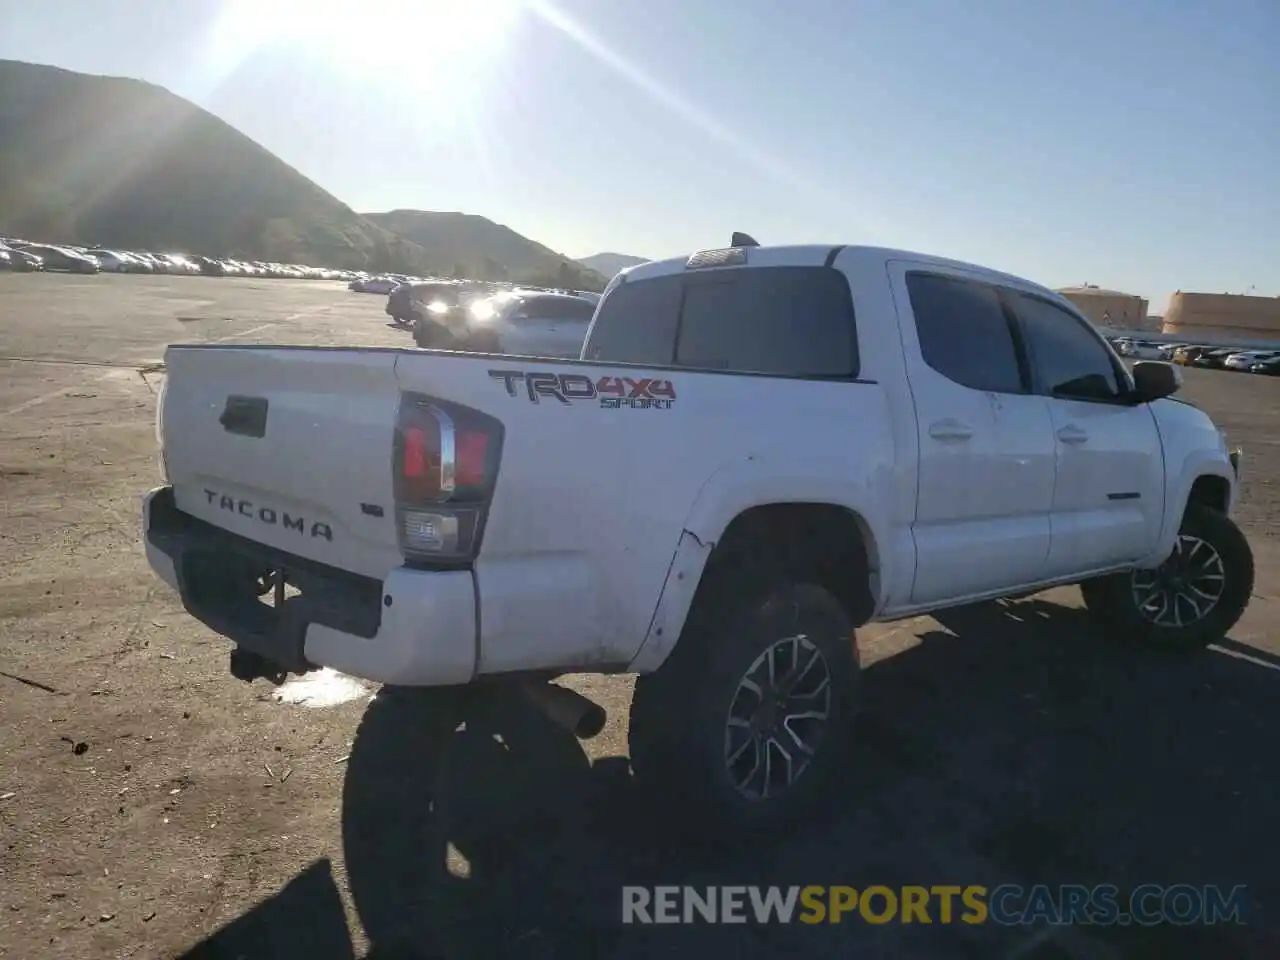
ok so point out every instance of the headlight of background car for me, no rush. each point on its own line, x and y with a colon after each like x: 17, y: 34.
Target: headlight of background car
x: 438, y: 307
x: 482, y: 310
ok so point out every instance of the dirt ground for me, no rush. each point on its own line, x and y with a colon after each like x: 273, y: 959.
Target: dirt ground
x: 151, y: 806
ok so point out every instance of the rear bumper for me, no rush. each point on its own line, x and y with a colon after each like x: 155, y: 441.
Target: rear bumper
x: 414, y: 628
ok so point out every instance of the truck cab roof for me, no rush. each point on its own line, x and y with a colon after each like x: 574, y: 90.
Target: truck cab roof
x: 815, y: 254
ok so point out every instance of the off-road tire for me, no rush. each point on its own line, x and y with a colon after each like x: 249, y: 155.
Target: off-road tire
x: 679, y: 713
x: 1111, y: 599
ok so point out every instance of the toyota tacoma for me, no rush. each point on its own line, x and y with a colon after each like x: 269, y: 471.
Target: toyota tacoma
x: 759, y: 450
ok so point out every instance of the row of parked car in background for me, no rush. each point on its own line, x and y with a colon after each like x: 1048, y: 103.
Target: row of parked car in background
x: 486, y: 316
x: 25, y: 256
x: 1264, y: 361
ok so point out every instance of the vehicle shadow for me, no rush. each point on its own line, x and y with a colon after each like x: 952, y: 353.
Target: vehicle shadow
x: 304, y: 919
x: 1008, y: 745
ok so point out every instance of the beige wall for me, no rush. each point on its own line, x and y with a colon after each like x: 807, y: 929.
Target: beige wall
x: 1222, y: 315
x: 1126, y: 312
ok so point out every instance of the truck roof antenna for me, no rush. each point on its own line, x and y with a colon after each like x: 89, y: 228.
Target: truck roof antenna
x: 743, y: 240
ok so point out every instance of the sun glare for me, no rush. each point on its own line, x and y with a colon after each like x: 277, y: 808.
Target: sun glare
x: 419, y: 46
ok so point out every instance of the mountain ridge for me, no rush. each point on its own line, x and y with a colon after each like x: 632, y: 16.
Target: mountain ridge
x: 608, y: 264
x: 484, y: 248
x: 116, y: 161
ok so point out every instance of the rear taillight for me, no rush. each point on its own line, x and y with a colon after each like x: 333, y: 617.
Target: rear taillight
x: 446, y: 462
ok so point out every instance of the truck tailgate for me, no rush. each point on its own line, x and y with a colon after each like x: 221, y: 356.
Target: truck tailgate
x: 290, y: 447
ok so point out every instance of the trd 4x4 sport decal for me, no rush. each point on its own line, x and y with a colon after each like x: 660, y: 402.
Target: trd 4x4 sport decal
x: 644, y: 393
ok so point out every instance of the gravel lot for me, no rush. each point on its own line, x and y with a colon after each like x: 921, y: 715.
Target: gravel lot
x: 153, y: 807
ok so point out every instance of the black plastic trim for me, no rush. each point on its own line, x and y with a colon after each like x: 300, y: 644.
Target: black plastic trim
x: 216, y: 572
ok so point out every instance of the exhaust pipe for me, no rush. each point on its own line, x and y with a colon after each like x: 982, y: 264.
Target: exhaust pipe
x: 566, y: 708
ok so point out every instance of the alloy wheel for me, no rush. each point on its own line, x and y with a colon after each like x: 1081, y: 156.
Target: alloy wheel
x: 1185, y: 588
x: 777, y: 718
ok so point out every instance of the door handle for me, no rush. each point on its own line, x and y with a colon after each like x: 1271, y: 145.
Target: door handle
x: 949, y: 429
x: 1073, y: 435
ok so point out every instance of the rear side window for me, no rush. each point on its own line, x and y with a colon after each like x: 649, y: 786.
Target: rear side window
x: 636, y: 323
x: 786, y: 321
x: 964, y: 334
x: 789, y: 321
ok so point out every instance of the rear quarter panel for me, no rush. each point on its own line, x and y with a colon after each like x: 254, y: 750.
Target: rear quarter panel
x: 595, y: 491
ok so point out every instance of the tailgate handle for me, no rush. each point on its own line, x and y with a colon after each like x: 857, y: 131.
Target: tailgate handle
x: 246, y: 416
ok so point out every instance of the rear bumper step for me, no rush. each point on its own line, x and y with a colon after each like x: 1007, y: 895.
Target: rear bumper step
x: 414, y: 628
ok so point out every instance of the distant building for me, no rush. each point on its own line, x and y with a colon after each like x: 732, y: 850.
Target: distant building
x: 1110, y: 308
x: 1222, y: 317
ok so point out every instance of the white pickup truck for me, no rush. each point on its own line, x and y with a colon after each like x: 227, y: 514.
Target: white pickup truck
x: 759, y: 450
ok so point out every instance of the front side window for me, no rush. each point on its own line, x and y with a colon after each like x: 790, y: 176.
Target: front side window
x: 1069, y: 360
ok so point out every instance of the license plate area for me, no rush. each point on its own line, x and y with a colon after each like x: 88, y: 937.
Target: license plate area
x: 267, y: 607
x: 235, y: 596
x: 274, y: 589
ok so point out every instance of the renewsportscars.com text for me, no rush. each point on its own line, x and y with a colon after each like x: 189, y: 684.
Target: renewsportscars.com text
x: 1005, y: 905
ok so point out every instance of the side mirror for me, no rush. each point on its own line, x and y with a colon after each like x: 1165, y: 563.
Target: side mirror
x: 1153, y: 380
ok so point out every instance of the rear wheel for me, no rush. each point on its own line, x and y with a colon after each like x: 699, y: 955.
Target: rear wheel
x: 749, y: 718
x: 1191, y: 600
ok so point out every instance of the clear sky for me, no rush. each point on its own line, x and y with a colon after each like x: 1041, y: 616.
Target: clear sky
x: 1129, y: 143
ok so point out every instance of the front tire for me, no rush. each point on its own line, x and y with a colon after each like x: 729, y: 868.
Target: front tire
x: 1192, y: 600
x: 750, y: 717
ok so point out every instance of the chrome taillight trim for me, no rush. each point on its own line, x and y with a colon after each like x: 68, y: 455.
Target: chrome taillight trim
x: 448, y: 452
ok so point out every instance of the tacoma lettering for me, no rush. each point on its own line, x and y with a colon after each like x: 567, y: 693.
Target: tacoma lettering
x: 270, y: 516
